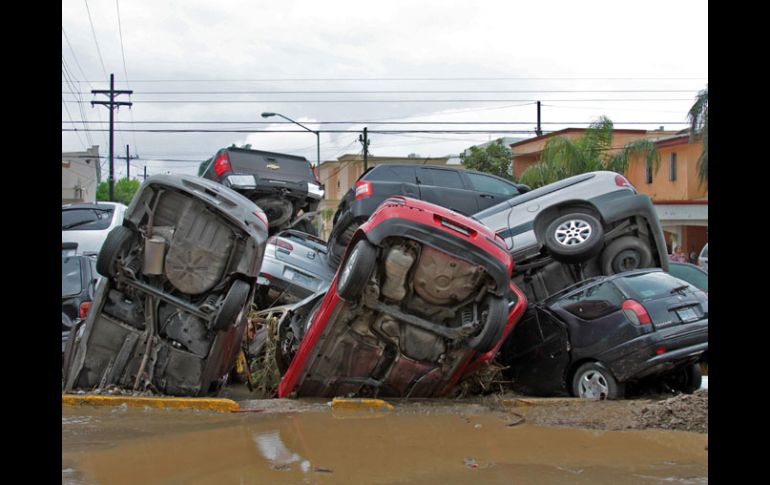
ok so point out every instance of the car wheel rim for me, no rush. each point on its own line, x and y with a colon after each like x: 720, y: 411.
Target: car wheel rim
x: 593, y: 385
x: 351, y: 262
x: 627, y: 260
x: 573, y: 232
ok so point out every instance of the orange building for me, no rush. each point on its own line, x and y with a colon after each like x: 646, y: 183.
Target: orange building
x: 679, y: 197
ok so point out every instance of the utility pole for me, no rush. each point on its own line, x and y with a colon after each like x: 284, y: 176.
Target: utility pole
x: 128, y: 163
x: 364, y: 139
x: 538, y: 131
x: 112, y: 104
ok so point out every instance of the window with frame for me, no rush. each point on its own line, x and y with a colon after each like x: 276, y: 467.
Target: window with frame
x: 484, y: 183
x: 672, y: 167
x: 445, y: 178
x: 648, y: 172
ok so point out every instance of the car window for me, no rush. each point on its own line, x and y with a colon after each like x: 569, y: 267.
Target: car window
x: 484, y: 183
x: 389, y: 173
x: 71, y: 281
x: 650, y: 285
x: 690, y: 274
x: 445, y: 178
x: 593, y: 302
x: 705, y: 252
x: 85, y: 219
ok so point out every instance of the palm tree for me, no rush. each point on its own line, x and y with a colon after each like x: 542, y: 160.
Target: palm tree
x: 563, y: 157
x: 699, y: 123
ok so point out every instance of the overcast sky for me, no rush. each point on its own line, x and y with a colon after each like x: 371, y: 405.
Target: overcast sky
x: 196, y: 62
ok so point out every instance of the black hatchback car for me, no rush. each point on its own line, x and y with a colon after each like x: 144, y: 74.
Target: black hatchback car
x: 594, y: 337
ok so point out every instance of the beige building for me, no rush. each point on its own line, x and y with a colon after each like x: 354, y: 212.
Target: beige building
x: 339, y: 175
x: 80, y: 175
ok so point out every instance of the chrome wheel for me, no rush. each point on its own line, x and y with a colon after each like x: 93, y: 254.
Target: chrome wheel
x: 573, y: 232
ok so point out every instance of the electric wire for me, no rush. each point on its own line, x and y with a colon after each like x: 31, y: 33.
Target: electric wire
x: 96, y: 42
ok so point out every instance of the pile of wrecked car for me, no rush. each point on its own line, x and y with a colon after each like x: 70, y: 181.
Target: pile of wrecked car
x: 410, y: 296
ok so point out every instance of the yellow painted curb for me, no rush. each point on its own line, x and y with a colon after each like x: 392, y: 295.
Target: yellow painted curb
x: 207, y: 404
x: 545, y: 401
x: 361, y: 404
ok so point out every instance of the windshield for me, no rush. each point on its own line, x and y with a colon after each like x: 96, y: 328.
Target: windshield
x: 71, y: 281
x: 86, y: 218
x: 647, y: 286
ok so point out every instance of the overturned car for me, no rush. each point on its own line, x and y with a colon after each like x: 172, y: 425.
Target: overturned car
x: 179, y: 271
x: 423, y: 297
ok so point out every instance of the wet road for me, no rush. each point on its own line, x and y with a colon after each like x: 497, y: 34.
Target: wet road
x: 116, y: 446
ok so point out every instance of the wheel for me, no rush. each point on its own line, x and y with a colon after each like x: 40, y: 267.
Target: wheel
x: 338, y: 244
x: 687, y: 379
x: 233, y: 305
x: 625, y: 254
x: 493, y: 328
x: 356, y: 270
x: 594, y: 381
x: 116, y: 246
x: 574, y: 237
x: 306, y: 226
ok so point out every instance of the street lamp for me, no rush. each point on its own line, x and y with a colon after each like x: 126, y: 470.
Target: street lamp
x: 317, y: 134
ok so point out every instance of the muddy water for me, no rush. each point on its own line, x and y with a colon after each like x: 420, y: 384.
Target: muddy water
x: 116, y: 446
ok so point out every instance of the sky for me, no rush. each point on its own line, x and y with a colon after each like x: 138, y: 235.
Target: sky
x: 399, y: 68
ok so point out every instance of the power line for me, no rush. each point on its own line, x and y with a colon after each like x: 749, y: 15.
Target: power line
x: 125, y: 70
x: 462, y: 91
x: 95, y: 41
x: 562, y: 78
x: 300, y: 131
x: 378, y: 122
x: 248, y: 101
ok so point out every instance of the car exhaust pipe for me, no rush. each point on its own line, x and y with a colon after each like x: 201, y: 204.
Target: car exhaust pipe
x: 154, y: 251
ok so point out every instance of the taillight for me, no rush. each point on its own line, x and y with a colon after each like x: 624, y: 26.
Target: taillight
x: 636, y: 312
x: 261, y: 216
x: 315, y: 174
x: 222, y: 164
x: 363, y: 189
x: 84, y: 309
x: 621, y: 181
x: 284, y: 245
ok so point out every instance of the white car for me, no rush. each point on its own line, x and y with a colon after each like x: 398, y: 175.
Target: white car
x: 84, y: 226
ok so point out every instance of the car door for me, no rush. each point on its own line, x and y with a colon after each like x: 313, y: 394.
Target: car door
x: 446, y: 187
x: 491, y: 190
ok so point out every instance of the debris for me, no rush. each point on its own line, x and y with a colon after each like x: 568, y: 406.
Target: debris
x: 471, y: 463
x: 321, y: 469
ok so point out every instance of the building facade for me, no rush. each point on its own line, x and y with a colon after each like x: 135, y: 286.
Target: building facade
x: 80, y: 175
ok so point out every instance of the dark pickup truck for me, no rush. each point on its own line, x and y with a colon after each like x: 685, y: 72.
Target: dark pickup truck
x: 285, y: 187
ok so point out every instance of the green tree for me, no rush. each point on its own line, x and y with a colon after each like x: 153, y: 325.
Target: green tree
x: 563, y: 157
x: 494, y: 158
x: 699, y: 124
x: 123, y: 190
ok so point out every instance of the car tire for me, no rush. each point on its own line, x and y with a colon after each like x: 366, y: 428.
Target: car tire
x: 488, y: 337
x: 574, y: 237
x: 338, y: 244
x: 593, y: 380
x: 625, y: 254
x: 232, y: 306
x: 116, y: 245
x: 307, y: 227
x: 686, y: 380
x: 356, y: 270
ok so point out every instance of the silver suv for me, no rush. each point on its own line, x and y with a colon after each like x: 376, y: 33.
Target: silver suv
x: 595, y: 222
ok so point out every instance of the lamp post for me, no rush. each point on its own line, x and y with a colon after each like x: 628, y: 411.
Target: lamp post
x: 317, y: 134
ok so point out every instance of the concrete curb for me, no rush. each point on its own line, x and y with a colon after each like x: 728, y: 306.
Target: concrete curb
x: 205, y: 404
x: 543, y: 401
x: 360, y: 405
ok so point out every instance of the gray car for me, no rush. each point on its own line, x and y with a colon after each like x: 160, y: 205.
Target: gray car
x: 295, y: 266
x: 587, y: 225
x: 168, y: 316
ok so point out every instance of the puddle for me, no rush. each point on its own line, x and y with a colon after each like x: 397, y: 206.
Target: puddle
x: 159, y: 447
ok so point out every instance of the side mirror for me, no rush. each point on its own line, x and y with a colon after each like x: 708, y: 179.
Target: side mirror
x: 523, y: 189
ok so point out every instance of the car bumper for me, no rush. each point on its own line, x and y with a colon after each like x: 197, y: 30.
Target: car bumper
x: 658, y: 352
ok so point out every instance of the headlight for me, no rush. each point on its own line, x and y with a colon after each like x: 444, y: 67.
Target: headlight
x: 315, y: 190
x: 241, y: 181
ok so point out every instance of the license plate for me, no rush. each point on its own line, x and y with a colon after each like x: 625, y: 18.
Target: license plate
x: 687, y: 314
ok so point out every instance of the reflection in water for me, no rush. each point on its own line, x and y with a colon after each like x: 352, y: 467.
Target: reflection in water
x: 163, y: 447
